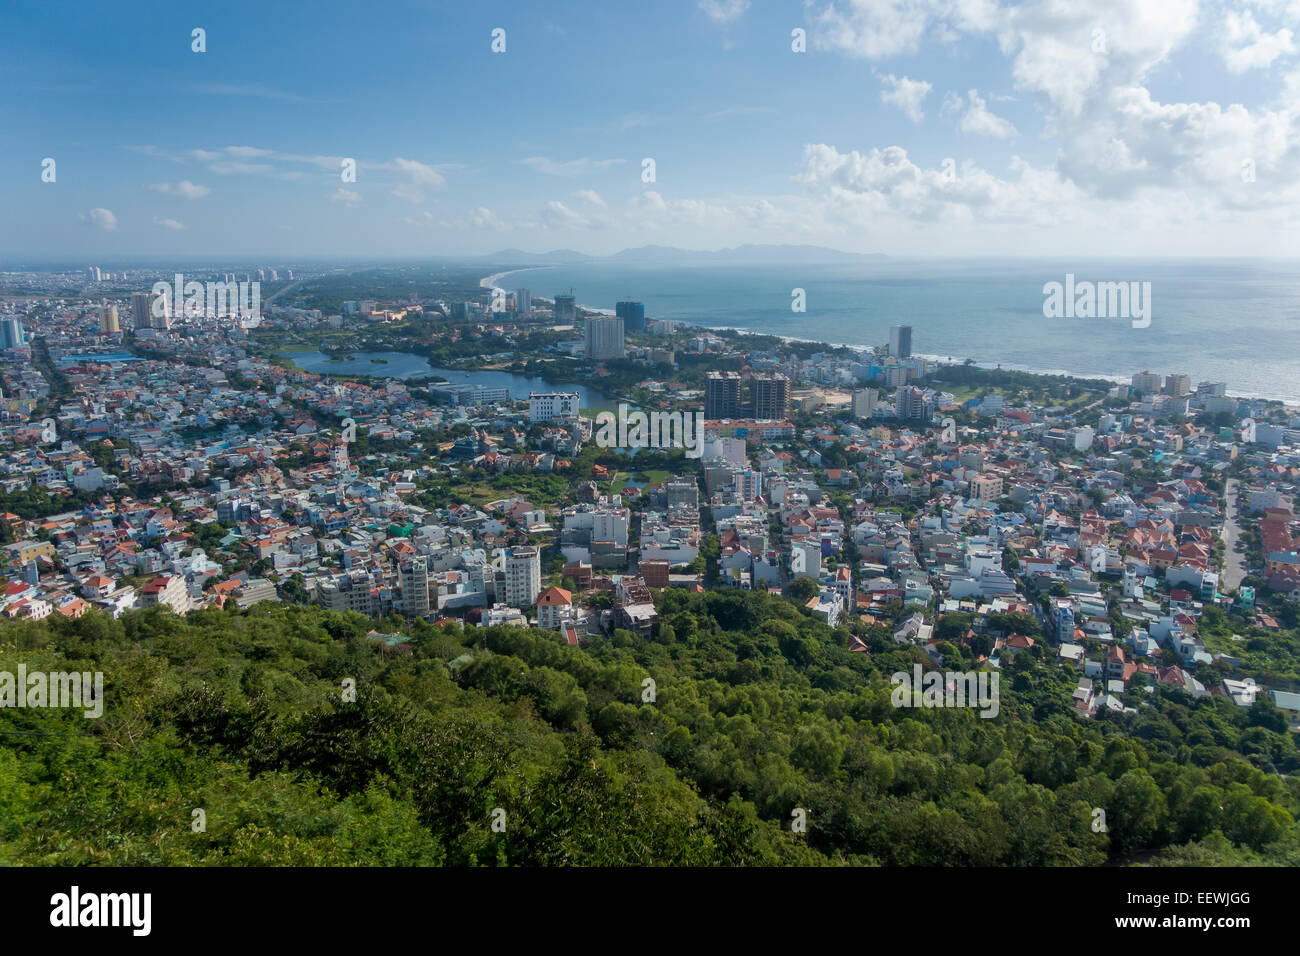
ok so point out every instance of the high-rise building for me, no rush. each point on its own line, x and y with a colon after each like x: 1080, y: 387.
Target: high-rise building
x: 108, y: 324
x: 770, y: 396
x: 415, y: 587
x: 11, y: 332
x: 566, y: 310
x: 911, y: 403
x: 523, y: 300
x: 142, y: 316
x: 900, y: 341
x: 864, y: 402
x: 604, y: 337
x: 722, y: 395
x: 632, y: 314
x: 1146, y: 383
x: 523, y: 576
x: 1178, y: 385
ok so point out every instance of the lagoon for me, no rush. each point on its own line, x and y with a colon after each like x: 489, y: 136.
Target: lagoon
x: 406, y: 365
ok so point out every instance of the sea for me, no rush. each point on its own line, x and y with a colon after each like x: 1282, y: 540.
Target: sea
x: 1227, y: 320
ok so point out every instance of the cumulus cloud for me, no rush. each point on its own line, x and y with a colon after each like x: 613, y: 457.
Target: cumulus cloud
x: 906, y: 94
x: 101, y: 218
x: 556, y: 215
x: 1247, y: 47
x: 168, y: 224
x: 977, y: 119
x: 346, y: 196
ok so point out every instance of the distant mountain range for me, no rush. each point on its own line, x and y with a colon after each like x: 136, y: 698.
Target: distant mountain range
x: 669, y: 256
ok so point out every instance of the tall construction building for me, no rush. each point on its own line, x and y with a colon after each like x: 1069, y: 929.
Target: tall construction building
x: 604, y: 337
x: 632, y: 314
x: 770, y: 396
x: 566, y: 310
x: 108, y: 324
x: 900, y: 341
x: 722, y: 395
x: 142, y: 316
x: 523, y: 300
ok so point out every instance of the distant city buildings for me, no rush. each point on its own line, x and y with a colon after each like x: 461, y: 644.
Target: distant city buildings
x: 566, y: 310
x: 761, y: 396
x: 864, y: 402
x: 548, y: 406
x: 603, y: 337
x: 632, y: 314
x: 11, y: 332
x: 108, y: 323
x: 900, y: 341
x: 722, y: 395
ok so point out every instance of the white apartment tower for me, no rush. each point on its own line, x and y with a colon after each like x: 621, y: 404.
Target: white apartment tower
x: 523, y: 576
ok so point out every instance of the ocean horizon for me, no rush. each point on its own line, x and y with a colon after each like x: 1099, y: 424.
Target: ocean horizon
x: 1236, y: 322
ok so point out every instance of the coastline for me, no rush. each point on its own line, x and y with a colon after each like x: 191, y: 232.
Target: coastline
x: 489, y: 282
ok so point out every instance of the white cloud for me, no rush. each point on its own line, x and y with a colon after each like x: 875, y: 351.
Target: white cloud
x: 345, y: 196
x: 420, y: 173
x: 556, y: 215
x: 980, y: 121
x: 906, y: 94
x: 1247, y: 47
x: 589, y: 196
x: 168, y: 224
x: 185, y: 189
x: 101, y: 218
x: 723, y: 11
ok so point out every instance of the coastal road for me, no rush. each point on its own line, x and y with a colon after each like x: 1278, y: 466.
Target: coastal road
x: 1234, y: 561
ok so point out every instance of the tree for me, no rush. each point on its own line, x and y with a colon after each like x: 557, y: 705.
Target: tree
x: 801, y: 590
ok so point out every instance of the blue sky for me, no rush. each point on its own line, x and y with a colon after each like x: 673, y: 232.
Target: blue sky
x: 914, y: 127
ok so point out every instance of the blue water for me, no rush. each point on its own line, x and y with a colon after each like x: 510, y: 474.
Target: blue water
x: 105, y: 359
x: 1230, y: 321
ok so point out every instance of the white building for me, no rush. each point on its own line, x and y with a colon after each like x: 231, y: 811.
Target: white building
x: 604, y: 337
x: 548, y: 406
x: 523, y: 576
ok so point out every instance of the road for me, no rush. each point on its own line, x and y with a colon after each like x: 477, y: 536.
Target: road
x: 1234, y: 561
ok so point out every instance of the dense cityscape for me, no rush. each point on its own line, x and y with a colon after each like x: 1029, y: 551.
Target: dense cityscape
x: 526, y: 452
x: 1119, y: 552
